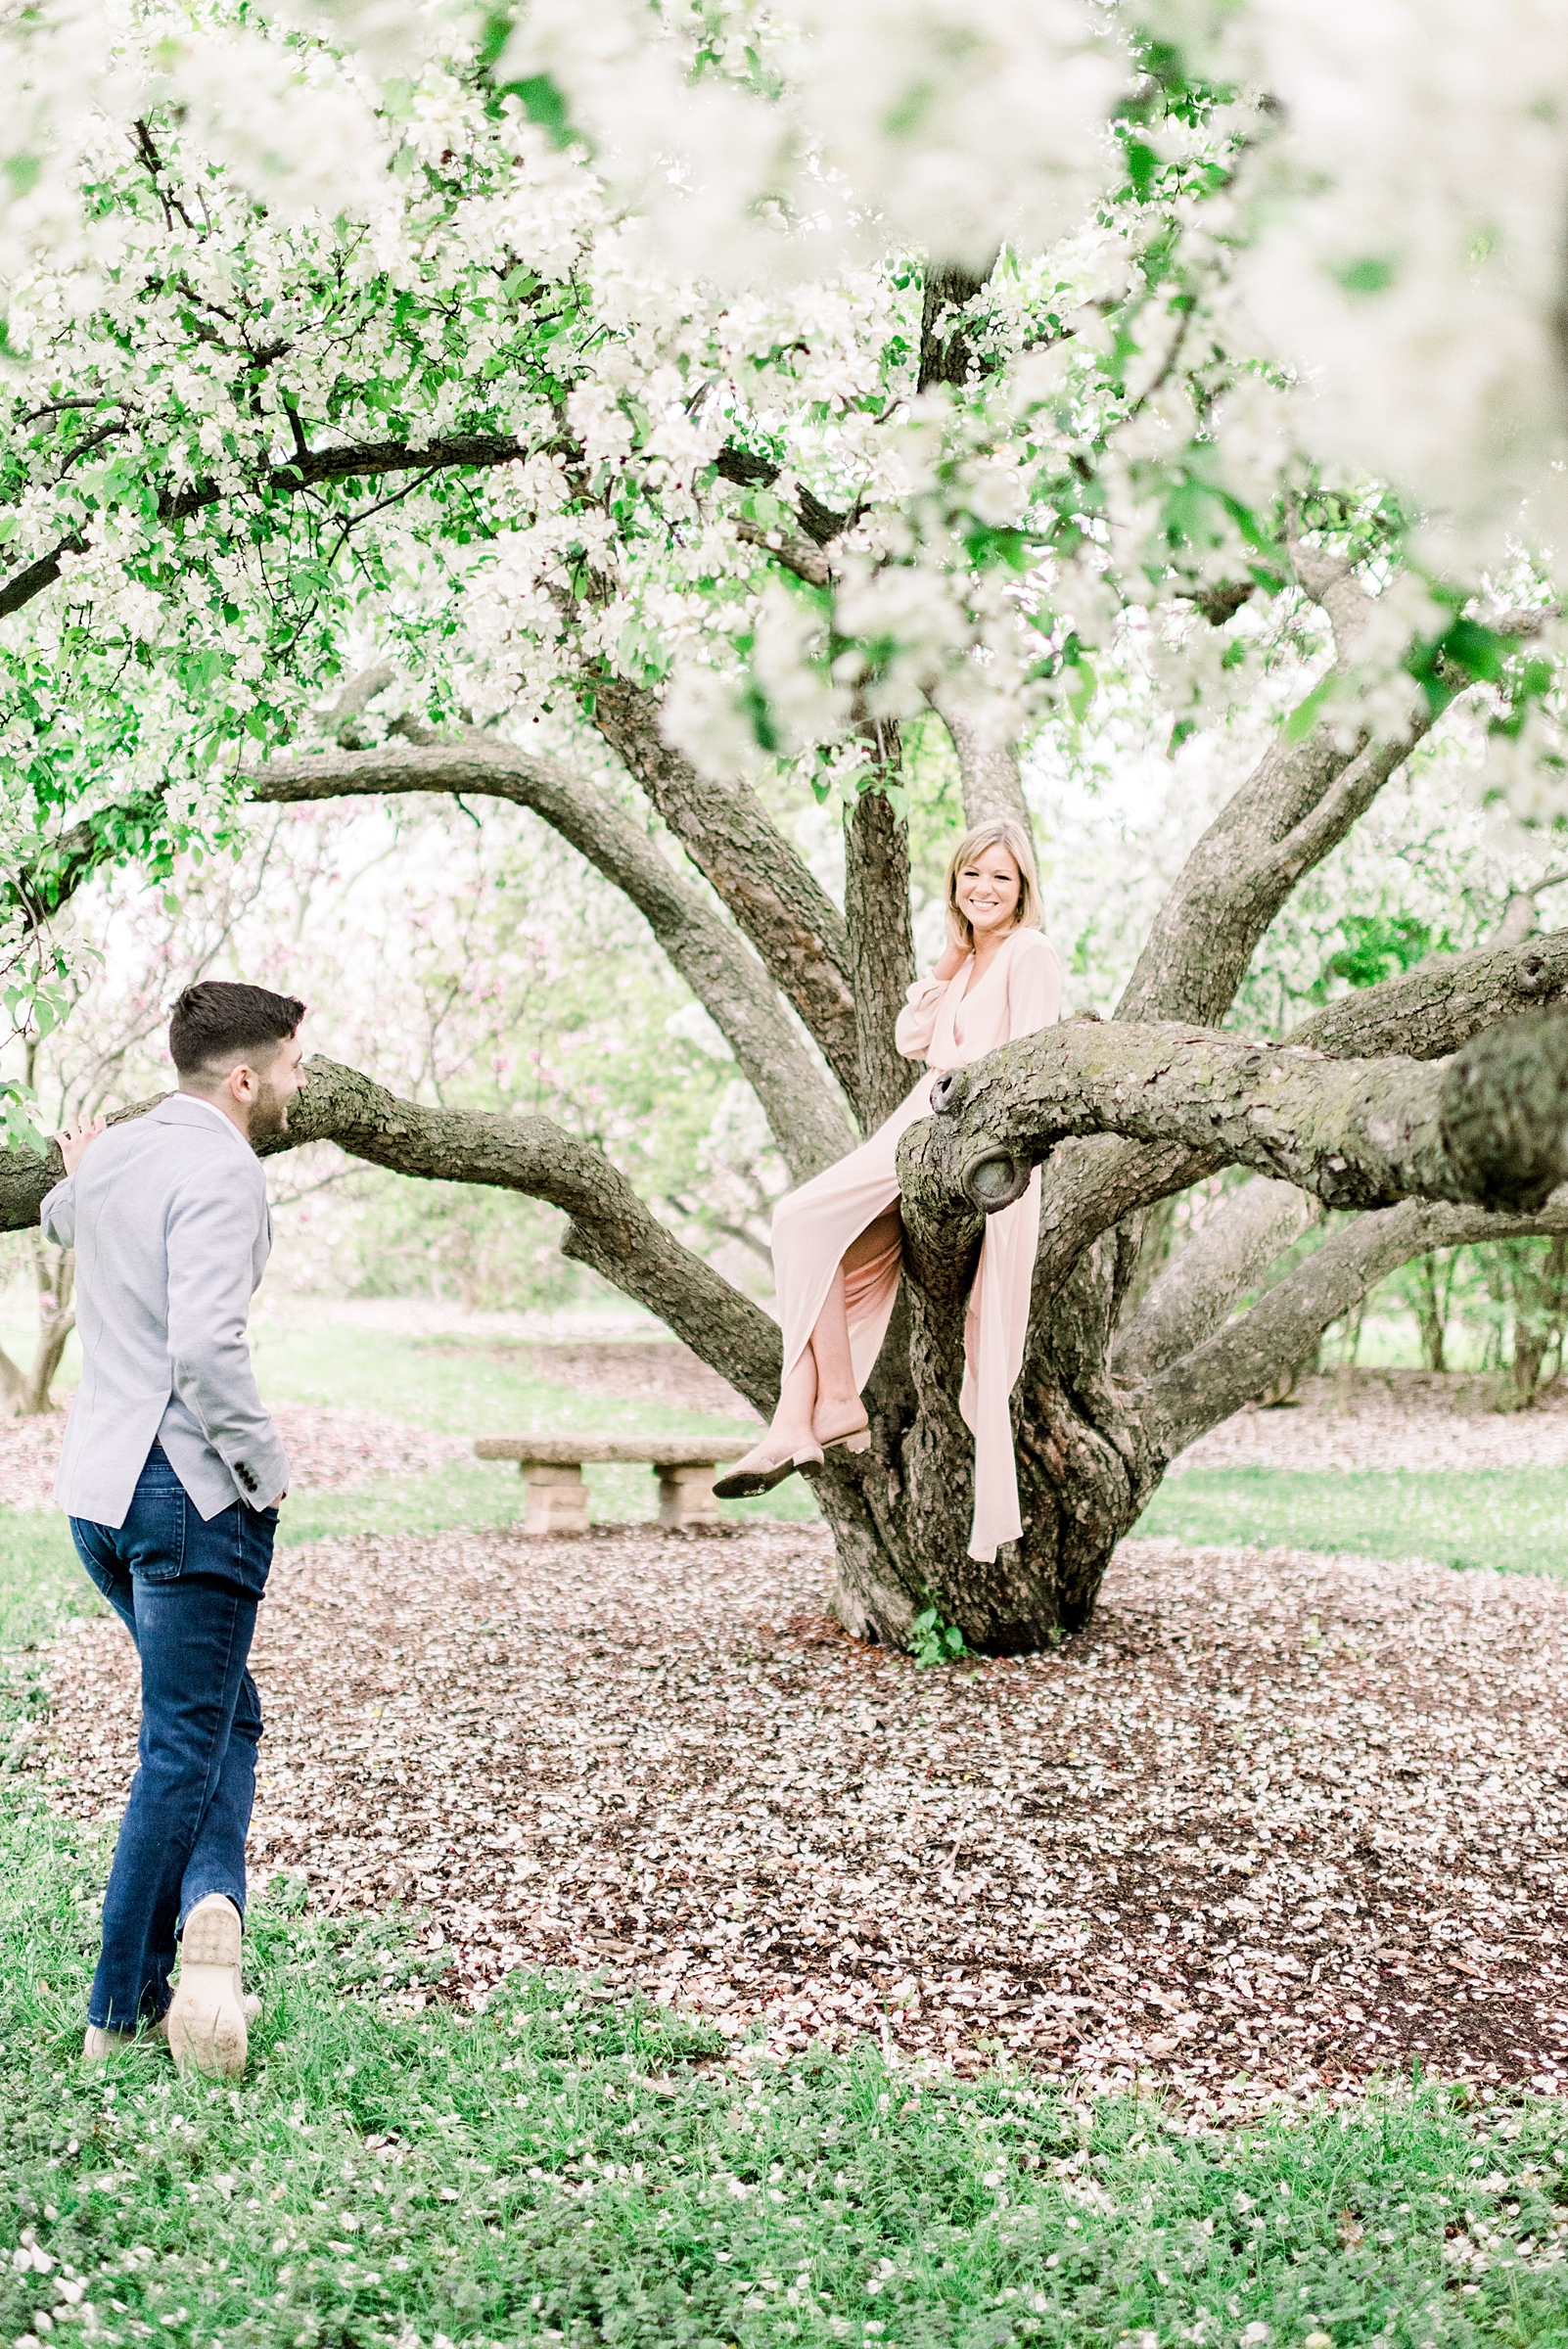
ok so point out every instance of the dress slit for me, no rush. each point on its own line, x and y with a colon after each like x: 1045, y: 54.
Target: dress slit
x: 815, y: 1225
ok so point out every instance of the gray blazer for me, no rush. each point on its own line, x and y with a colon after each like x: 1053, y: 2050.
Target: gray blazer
x: 169, y: 1218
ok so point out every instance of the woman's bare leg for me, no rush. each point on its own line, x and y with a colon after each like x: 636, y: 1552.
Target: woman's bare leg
x: 791, y: 1428
x: 821, y: 1385
x: 822, y: 1382
x: 838, y: 1398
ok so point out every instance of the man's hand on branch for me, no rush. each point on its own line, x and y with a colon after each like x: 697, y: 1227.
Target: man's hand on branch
x: 74, y: 1138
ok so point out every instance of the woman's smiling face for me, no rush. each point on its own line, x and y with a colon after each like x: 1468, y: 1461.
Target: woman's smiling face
x: 988, y: 890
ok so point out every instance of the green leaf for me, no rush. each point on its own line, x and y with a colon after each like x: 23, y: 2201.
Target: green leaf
x: 1141, y: 165
x: 1082, y: 684
x: 1302, y: 720
x: 543, y: 104
x: 1368, y: 276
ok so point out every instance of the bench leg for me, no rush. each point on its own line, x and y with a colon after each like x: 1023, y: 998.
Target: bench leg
x: 686, y: 1495
x: 558, y: 1497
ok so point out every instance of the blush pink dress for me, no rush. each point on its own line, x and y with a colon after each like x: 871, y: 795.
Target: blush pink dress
x: 945, y: 1026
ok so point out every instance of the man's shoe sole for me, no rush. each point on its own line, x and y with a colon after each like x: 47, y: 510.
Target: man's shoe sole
x: 207, y: 2024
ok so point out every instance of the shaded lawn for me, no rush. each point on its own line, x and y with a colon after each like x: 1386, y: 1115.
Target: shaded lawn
x: 563, y: 2167
x: 447, y: 1384
x: 1514, y: 1519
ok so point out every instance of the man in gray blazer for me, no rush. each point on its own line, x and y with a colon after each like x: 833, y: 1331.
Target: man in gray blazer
x: 171, y: 1474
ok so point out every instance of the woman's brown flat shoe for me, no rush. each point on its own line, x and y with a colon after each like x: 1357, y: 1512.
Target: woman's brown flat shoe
x: 757, y: 1473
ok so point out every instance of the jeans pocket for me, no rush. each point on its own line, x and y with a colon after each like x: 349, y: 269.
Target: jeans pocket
x: 152, y: 1542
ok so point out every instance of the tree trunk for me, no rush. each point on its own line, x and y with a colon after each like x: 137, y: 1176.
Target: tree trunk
x: 1537, y: 1288
x: 881, y: 939
x: 25, y: 1392
x: 1431, y: 1314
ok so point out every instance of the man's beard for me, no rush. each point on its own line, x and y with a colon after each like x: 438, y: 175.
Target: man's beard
x: 270, y: 1115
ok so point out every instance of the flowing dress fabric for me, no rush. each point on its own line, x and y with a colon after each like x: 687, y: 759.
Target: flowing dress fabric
x: 1019, y: 992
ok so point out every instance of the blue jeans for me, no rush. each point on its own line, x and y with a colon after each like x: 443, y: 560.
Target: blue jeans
x: 186, y: 1593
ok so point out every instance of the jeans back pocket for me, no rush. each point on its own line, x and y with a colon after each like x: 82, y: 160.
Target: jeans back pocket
x: 152, y: 1541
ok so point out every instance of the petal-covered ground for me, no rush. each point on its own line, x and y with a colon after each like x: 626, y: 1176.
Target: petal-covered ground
x: 1274, y: 1822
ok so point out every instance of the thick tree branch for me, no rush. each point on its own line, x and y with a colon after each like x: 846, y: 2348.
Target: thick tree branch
x: 946, y: 355
x: 988, y: 765
x: 1431, y: 1011
x: 807, y: 1121
x: 1425, y: 1014
x: 1297, y: 803
x: 876, y: 905
x: 1193, y: 1294
x: 610, y: 1229
x: 1284, y: 1325
x: 796, y: 552
x: 724, y: 829
x: 820, y: 523
x: 374, y: 460
x: 1490, y: 1127
x: 1300, y: 801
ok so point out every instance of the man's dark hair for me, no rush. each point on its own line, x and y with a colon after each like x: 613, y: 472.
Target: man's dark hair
x: 217, y: 1024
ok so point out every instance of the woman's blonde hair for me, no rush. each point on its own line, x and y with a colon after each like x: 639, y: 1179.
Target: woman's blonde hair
x: 998, y: 832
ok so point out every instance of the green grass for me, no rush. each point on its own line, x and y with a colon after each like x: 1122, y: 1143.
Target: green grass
x: 465, y: 1386
x: 564, y: 2168
x: 41, y: 1580
x: 1515, y: 1519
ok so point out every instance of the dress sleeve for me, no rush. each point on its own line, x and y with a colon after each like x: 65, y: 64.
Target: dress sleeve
x: 916, y: 1024
x: 1033, y: 986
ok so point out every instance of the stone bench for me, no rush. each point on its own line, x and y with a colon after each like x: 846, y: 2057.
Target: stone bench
x: 551, y: 1467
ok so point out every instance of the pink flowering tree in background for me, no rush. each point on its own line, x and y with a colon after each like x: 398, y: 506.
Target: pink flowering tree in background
x: 643, y: 417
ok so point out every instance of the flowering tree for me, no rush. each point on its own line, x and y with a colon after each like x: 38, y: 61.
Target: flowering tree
x: 639, y: 416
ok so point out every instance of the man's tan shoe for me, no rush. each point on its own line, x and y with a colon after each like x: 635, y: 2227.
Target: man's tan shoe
x: 206, y: 2022
x: 103, y: 2041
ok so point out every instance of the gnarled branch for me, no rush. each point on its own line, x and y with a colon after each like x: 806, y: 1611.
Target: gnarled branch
x: 610, y: 1229
x: 1434, y: 1009
x: 1490, y: 1127
x: 1284, y: 1325
x: 989, y: 763
x: 876, y: 905
x: 726, y: 832
x: 306, y: 470
x: 1195, y: 1291
x: 1425, y: 1014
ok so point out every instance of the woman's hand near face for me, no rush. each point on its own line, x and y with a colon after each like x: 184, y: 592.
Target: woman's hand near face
x: 951, y: 961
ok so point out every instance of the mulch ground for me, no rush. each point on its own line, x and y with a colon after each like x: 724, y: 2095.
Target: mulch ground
x: 1274, y: 1824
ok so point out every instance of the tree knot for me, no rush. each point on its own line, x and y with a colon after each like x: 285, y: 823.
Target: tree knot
x: 996, y: 1178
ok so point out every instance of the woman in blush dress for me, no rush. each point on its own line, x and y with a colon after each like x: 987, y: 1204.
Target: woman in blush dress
x: 838, y: 1243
